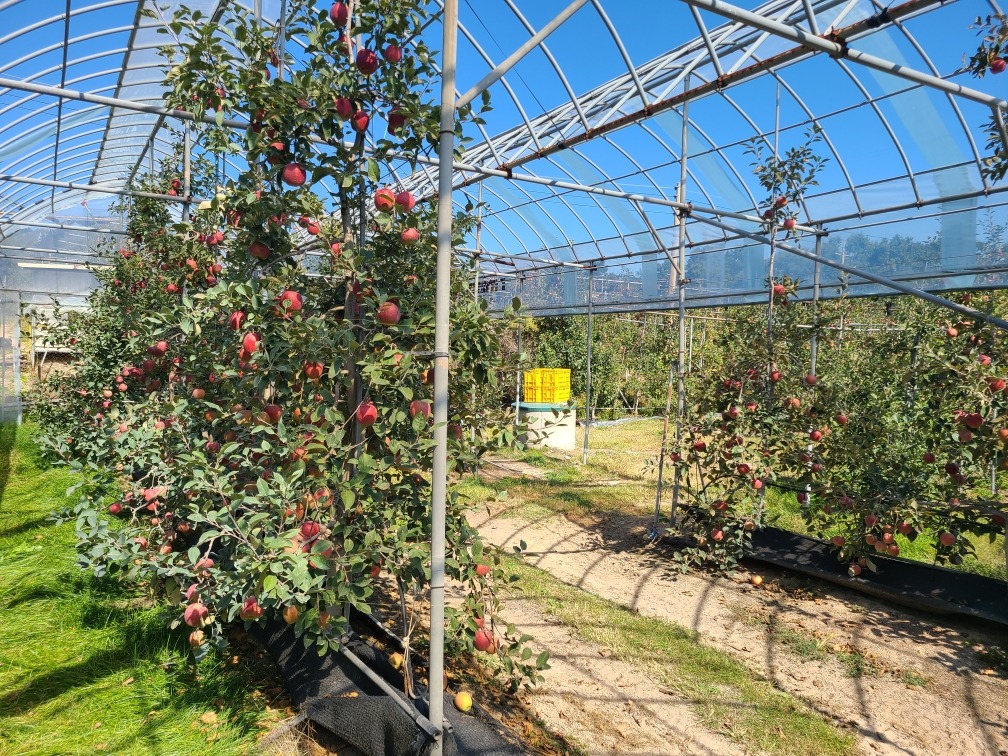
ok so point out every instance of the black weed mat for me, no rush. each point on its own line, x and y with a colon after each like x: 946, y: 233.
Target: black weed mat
x: 335, y: 694
x: 912, y: 584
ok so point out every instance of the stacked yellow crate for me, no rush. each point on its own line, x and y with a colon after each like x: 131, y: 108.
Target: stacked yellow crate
x: 546, y: 386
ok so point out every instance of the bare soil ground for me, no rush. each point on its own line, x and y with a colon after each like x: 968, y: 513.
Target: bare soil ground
x: 903, y: 682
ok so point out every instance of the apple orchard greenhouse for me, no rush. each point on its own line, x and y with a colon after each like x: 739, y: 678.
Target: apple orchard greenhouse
x: 589, y: 158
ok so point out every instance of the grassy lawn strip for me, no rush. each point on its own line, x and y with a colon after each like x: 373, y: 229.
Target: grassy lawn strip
x: 86, y: 665
x: 727, y: 696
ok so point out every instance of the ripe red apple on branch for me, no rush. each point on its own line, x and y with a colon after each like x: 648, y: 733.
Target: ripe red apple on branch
x: 420, y: 407
x: 294, y: 174
x: 339, y: 13
x: 384, y: 200
x: 367, y: 61
x: 367, y: 413
x: 388, y: 313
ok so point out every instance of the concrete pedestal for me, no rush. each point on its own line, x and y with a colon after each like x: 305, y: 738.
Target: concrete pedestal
x: 550, y: 425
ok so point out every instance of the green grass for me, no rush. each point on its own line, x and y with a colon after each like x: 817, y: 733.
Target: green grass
x: 726, y: 696
x: 85, y: 665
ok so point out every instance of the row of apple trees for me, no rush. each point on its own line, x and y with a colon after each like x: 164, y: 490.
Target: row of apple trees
x: 897, y: 431
x: 254, y: 420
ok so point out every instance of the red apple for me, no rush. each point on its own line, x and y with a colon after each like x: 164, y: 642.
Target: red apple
x: 951, y: 332
x: 405, y: 201
x: 313, y: 370
x: 195, y: 614
x: 482, y: 640
x: 841, y: 419
x: 344, y: 107
x: 388, y: 313
x: 854, y: 569
x: 115, y: 508
x: 815, y: 435
x: 250, y: 342
x: 946, y: 539
x: 310, y: 530
x: 482, y: 569
x: 273, y: 412
x: 997, y: 65
x: 420, y: 407
x: 236, y: 320
x: 717, y: 534
x: 259, y: 250
x: 359, y: 121
x: 396, y: 120
x: 367, y: 61
x: 339, y: 14
x: 838, y: 541
x: 789, y: 224
x: 290, y: 301
x: 973, y: 420
x: 811, y: 380
x: 779, y: 290
x: 293, y: 174
x: 384, y: 200
x: 392, y: 53
x: 250, y: 609
x: 367, y: 413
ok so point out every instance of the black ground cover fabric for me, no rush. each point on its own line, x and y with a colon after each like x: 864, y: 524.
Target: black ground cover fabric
x: 335, y: 694
x: 901, y: 581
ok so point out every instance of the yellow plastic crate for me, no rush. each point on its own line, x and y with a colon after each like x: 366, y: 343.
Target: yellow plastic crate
x: 547, y: 386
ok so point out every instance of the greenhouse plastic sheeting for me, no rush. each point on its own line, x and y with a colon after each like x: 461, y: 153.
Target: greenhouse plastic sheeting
x: 902, y: 193
x: 957, y: 245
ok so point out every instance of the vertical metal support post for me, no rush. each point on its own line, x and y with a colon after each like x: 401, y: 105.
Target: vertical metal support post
x: 661, y: 454
x: 760, y: 506
x: 282, y: 45
x: 479, y: 234
x: 675, y: 369
x: 518, y: 372
x: 588, y: 375
x: 689, y: 362
x: 814, y: 339
x: 442, y: 310
x: 17, y: 359
x: 187, y: 172
x: 681, y: 377
x: 813, y: 356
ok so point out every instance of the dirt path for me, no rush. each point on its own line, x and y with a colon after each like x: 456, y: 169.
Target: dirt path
x: 929, y: 695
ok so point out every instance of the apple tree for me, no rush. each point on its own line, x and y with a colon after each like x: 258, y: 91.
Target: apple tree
x: 278, y: 463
